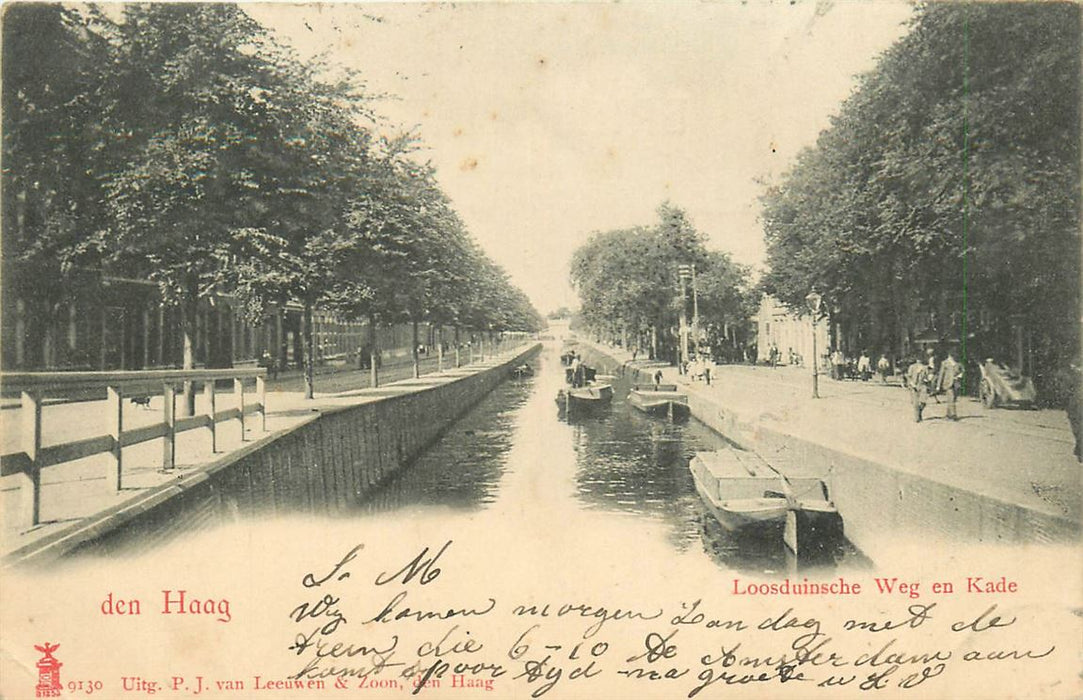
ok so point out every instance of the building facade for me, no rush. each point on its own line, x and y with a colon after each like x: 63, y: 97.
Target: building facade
x: 777, y: 326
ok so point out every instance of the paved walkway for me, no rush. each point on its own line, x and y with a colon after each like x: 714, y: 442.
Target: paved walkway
x: 1018, y: 456
x: 78, y: 489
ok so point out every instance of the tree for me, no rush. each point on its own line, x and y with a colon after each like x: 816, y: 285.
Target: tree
x: 946, y: 191
x: 188, y: 92
x: 55, y: 149
x: 627, y: 279
x: 182, y: 145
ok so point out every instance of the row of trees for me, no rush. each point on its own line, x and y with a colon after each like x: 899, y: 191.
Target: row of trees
x: 944, y: 199
x: 180, y: 143
x: 629, y: 289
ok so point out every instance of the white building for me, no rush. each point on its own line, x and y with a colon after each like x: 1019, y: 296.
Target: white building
x: 778, y: 326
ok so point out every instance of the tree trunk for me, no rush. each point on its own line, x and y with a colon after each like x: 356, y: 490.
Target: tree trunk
x: 188, y: 358
x: 440, y: 349
x: 413, y: 350
x: 654, y: 342
x: 34, y: 334
x: 307, y: 331
x: 374, y: 354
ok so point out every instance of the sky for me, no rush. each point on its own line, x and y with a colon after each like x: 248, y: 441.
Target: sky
x: 549, y: 121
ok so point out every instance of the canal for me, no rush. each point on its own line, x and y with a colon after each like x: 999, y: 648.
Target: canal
x: 515, y: 454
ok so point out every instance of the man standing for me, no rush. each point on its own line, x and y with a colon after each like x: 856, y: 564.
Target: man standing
x: 917, y: 381
x: 947, y: 383
x: 864, y: 366
x: 838, y: 365
x: 883, y: 365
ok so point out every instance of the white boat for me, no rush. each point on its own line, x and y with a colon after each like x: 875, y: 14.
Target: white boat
x: 659, y: 400
x: 742, y: 491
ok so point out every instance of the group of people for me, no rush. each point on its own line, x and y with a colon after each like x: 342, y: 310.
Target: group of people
x: 924, y: 379
x: 578, y: 371
x: 861, y: 368
x: 700, y: 367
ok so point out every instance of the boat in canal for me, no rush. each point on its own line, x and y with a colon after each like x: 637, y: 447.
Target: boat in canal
x: 659, y: 400
x: 522, y: 371
x: 744, y: 493
x: 585, y: 398
x: 589, y: 373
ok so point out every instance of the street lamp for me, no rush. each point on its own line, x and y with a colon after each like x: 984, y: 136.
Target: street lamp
x: 813, y: 300
x: 685, y: 274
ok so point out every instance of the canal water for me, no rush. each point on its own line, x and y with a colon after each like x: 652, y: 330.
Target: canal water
x: 516, y: 452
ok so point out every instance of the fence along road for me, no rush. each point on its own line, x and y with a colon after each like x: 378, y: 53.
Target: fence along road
x: 34, y: 457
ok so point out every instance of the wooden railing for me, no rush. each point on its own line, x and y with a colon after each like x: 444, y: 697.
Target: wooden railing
x: 33, y: 387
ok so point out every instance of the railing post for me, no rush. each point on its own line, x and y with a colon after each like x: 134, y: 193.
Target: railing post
x: 30, y: 488
x: 208, y: 395
x: 169, y: 415
x: 261, y: 391
x: 238, y: 389
x: 115, y: 426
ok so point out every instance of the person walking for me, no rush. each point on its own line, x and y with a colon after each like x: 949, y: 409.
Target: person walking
x: 864, y: 366
x: 947, y: 383
x: 838, y: 365
x: 883, y: 365
x: 917, y: 380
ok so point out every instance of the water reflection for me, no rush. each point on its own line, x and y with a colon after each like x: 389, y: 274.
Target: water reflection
x: 463, y: 469
x: 619, y: 461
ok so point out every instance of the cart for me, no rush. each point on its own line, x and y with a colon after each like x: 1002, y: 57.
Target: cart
x: 1001, y: 385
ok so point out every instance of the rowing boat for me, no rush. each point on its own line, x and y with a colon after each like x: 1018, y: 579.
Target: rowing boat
x: 585, y: 397
x: 659, y: 400
x: 743, y: 491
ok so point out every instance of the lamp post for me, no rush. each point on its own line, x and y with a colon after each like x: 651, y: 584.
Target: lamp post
x: 695, y: 312
x: 813, y: 300
x: 684, y: 275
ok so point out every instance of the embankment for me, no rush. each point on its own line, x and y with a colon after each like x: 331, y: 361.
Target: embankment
x: 320, y: 465
x: 878, y: 498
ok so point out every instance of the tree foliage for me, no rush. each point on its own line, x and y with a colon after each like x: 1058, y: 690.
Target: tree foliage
x: 627, y: 280
x: 945, y: 195
x: 182, y: 144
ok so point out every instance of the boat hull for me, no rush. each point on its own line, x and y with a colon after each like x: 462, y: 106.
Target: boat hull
x: 743, y: 493
x: 660, y: 402
x: 585, y: 398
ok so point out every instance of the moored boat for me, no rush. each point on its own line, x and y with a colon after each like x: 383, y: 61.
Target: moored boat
x: 742, y: 491
x: 659, y: 400
x: 585, y: 397
x: 588, y: 373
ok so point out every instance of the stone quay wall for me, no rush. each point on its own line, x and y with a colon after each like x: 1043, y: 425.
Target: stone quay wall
x: 877, y: 500
x: 321, y: 465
